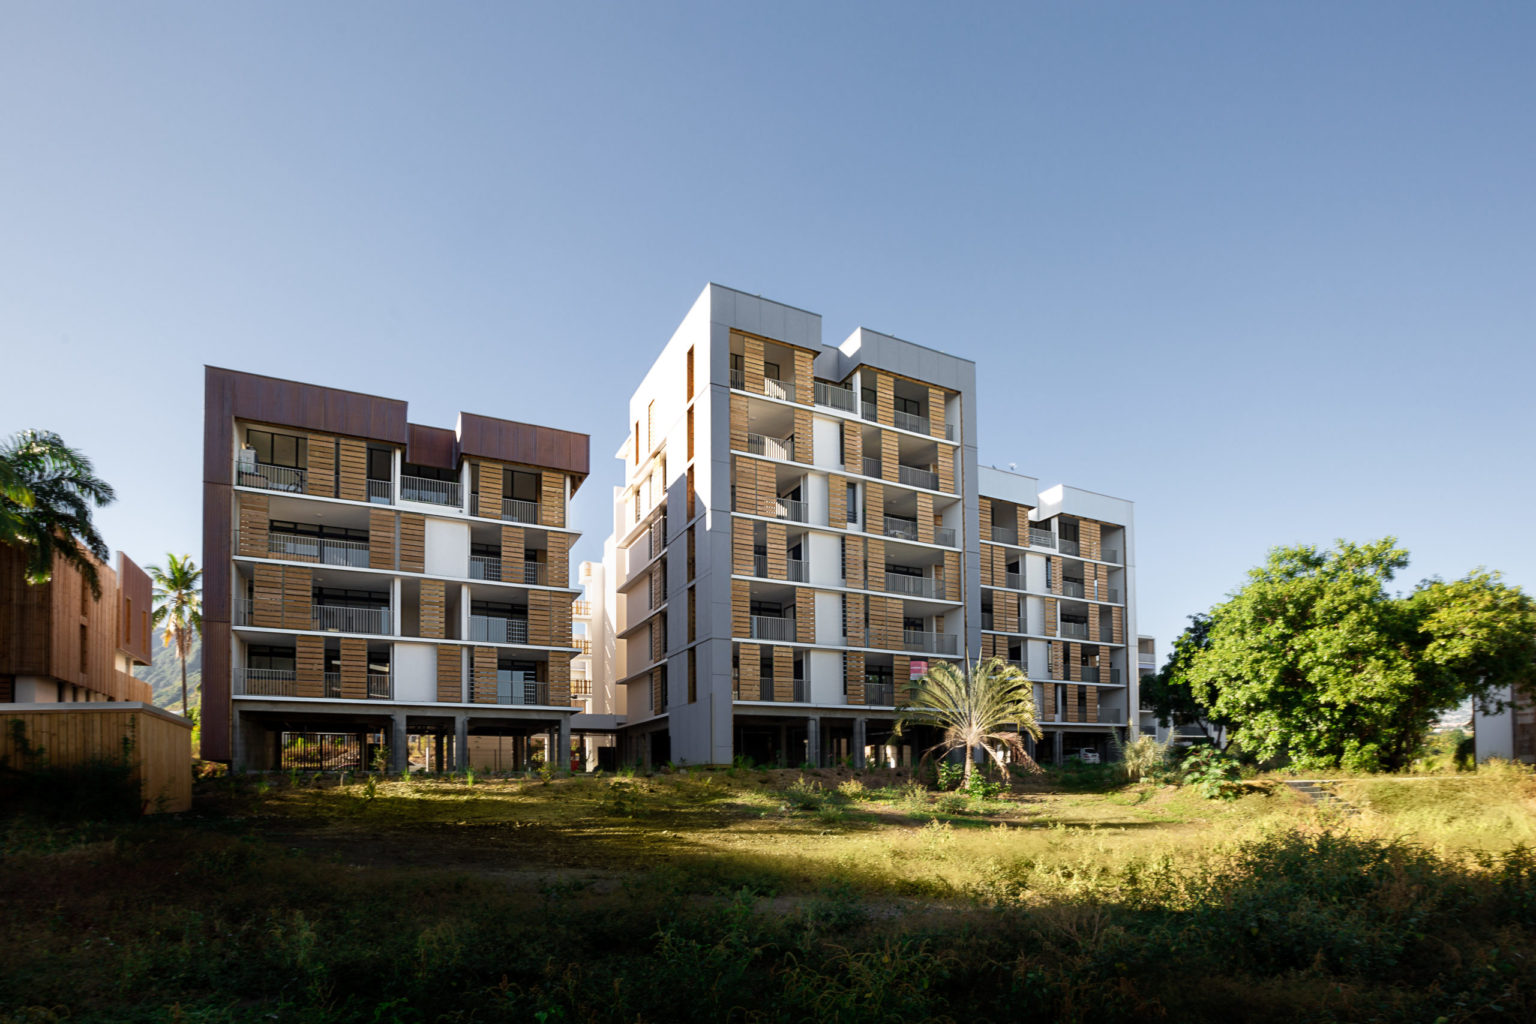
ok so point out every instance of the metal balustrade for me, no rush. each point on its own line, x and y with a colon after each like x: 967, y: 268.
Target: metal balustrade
x: 1005, y: 535
x: 1111, y: 555
x: 795, y: 569
x: 833, y: 397
x: 347, y: 619
x: 497, y: 630
x: 381, y: 492
x: 510, y: 688
x: 914, y: 586
x: 902, y: 529
x: 772, y: 447
x: 871, y: 466
x: 485, y: 567
x: 266, y: 682
x: 380, y: 686
x: 515, y: 510
x: 332, y: 681
x: 1042, y: 538
x: 915, y: 477
x: 1114, y: 595
x: 881, y: 695
x: 1069, y: 547
x: 1077, y: 629
x: 1072, y: 588
x: 581, y: 609
x: 1013, y: 581
x: 869, y: 410
x: 738, y: 380
x: 939, y: 643
x: 798, y: 691
x: 269, y: 478
x: 431, y: 492
x: 944, y: 536
x: 325, y: 550
x: 794, y: 511
x: 781, y: 389
x: 765, y: 627
x: 583, y: 646
x: 912, y: 422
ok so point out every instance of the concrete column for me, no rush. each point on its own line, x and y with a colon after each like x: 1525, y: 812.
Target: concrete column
x: 859, y: 725
x: 813, y: 741
x: 240, y: 758
x: 437, y: 750
x: 563, y: 747
x: 460, y: 742
x: 397, y: 753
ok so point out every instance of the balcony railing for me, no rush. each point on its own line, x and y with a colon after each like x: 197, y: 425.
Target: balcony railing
x: 1042, y: 538
x: 485, y: 567
x: 583, y: 646
x: 581, y: 609
x: 869, y: 410
x: 938, y: 643
x: 497, y: 630
x: 1077, y: 629
x: 880, y: 694
x: 510, y: 688
x: 780, y: 389
x: 833, y: 397
x: 381, y: 492
x: 766, y: 627
x: 772, y: 447
x: 1111, y: 555
x: 270, y: 478
x: 903, y: 529
x: 337, y: 618
x: 325, y: 550
x: 1093, y: 674
x: 794, y: 511
x: 739, y: 380
x: 1072, y: 588
x: 914, y: 586
x: 1005, y: 535
x: 796, y: 570
x: 1070, y: 547
x: 514, y: 510
x: 909, y: 421
x: 944, y: 536
x: 488, y: 567
x: 431, y: 492
x: 871, y: 467
x: 798, y: 691
x: 1013, y: 581
x: 266, y: 682
x: 914, y: 477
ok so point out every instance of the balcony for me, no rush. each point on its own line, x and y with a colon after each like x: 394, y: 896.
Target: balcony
x: 937, y: 643
x: 782, y: 448
x: 1005, y: 535
x: 381, y: 492
x: 510, y: 688
x: 739, y: 380
x: 488, y: 567
x: 266, y: 682
x: 1111, y: 555
x: 914, y: 423
x: 1097, y: 675
x: 581, y: 609
x: 796, y: 569
x: 1077, y: 629
x: 871, y: 467
x: 794, y: 511
x: 869, y: 410
x: 915, y: 477
x: 881, y: 695
x: 1013, y: 581
x: 1072, y: 588
x: 431, y: 492
x: 901, y: 529
x: 833, y: 397
x: 583, y: 646
x: 323, y: 550
x: 799, y: 692
x: 514, y: 510
x: 497, y: 630
x: 336, y: 618
x: 783, y: 390
x: 1070, y: 547
x: 914, y: 586
x: 269, y: 478
x: 766, y: 627
x: 1042, y: 538
x: 944, y: 536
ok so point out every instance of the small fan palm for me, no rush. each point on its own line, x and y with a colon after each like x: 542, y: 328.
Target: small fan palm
x: 47, y: 491
x: 991, y: 702
x: 179, y: 608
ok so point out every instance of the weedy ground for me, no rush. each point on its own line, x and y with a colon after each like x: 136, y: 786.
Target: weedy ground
x: 752, y: 895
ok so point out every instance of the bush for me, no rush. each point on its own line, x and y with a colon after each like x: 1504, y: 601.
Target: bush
x: 1142, y: 758
x: 1212, y: 773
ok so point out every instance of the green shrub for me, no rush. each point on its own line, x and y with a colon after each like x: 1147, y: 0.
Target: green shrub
x: 1212, y: 773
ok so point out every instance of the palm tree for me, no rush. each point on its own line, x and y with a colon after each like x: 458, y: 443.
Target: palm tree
x: 989, y: 702
x: 179, y: 608
x: 47, y: 490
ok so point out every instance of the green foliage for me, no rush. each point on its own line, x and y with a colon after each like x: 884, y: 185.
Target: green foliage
x: 1142, y: 758
x: 1316, y: 665
x: 47, y: 491
x: 1212, y: 773
x: 975, y: 706
x: 179, y: 609
x: 805, y: 794
x: 949, y: 774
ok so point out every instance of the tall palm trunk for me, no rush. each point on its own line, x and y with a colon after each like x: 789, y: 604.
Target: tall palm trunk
x: 181, y: 653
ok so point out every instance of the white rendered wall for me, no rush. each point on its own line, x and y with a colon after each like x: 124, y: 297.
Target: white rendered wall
x: 829, y: 618
x: 446, y: 549
x: 824, y: 670
x: 415, y: 670
x: 825, y: 555
x: 815, y: 494
x: 827, y: 436
x: 1034, y: 615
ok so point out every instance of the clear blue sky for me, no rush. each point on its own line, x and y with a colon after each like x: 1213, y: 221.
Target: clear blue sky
x: 1269, y: 270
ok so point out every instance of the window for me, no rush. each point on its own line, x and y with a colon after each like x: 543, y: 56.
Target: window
x: 336, y: 596
x: 271, y: 658
x: 381, y: 464
x: 278, y: 449
x: 910, y: 406
x: 416, y: 469
x: 313, y: 530
x: 771, y: 370
x: 853, y: 503
x: 520, y: 485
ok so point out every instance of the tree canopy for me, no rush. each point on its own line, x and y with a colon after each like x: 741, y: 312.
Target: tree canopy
x: 47, y: 490
x: 1313, y: 662
x: 974, y: 706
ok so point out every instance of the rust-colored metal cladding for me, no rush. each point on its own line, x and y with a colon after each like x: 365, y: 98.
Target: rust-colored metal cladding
x: 508, y: 441
x: 431, y: 446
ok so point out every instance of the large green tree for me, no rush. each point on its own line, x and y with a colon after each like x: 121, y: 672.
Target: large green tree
x: 1315, y: 663
x: 179, y: 608
x: 990, y: 702
x: 47, y: 492
x: 1168, y: 692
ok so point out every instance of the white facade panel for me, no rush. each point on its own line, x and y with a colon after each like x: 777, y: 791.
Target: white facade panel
x: 825, y: 674
x: 415, y: 671
x: 446, y: 548
x: 829, y: 618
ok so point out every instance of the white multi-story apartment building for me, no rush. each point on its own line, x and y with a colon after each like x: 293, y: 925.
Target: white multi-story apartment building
x: 803, y: 529
x: 370, y: 580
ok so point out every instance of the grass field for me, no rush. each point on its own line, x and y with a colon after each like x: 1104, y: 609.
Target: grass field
x: 750, y: 895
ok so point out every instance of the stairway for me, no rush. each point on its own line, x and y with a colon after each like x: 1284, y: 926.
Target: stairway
x: 1321, y: 792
